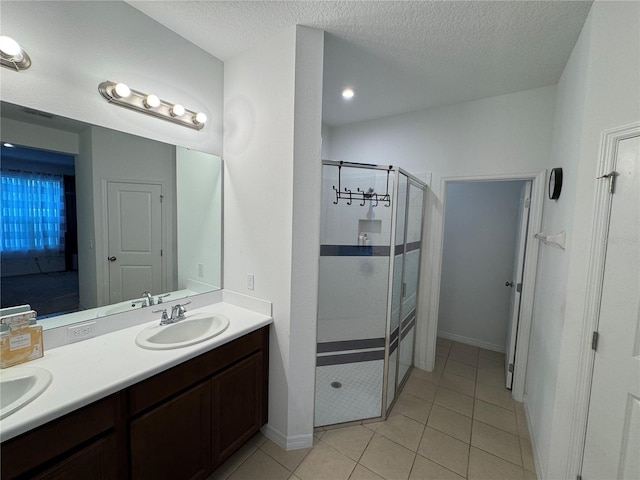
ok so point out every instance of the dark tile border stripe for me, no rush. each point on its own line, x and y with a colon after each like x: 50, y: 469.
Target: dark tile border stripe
x: 354, y: 251
x: 406, y: 330
x: 394, y: 335
x: 393, y: 346
x: 399, y: 249
x: 413, y: 246
x: 341, y: 346
x: 349, y: 358
x: 408, y: 318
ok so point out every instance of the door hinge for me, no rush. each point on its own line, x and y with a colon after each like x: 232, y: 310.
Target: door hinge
x: 594, y: 341
x: 612, y: 180
x: 527, y: 202
x: 519, y: 288
x: 511, y: 368
x: 160, y: 252
x: 161, y: 197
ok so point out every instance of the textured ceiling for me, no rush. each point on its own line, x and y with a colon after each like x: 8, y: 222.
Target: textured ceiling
x: 399, y: 56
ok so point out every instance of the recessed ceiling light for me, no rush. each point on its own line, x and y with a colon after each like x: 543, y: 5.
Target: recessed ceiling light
x: 8, y: 145
x: 348, y: 93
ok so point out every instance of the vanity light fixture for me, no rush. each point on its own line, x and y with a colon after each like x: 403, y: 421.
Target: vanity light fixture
x: 120, y: 94
x: 177, y: 110
x: 151, y: 101
x: 12, y: 55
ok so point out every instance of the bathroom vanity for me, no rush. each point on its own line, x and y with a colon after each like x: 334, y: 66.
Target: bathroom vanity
x: 177, y: 423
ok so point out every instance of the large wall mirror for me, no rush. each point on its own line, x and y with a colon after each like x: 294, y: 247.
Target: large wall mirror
x: 97, y: 222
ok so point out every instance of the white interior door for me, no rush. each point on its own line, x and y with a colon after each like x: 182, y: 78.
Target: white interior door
x: 134, y: 217
x: 612, y: 446
x: 516, y: 282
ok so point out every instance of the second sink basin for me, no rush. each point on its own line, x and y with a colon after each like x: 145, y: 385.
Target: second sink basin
x: 19, y: 386
x: 193, y: 329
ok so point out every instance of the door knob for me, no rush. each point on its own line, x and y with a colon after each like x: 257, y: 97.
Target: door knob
x: 112, y: 259
x: 508, y: 284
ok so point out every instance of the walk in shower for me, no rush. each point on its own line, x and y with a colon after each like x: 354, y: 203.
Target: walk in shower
x: 371, y: 237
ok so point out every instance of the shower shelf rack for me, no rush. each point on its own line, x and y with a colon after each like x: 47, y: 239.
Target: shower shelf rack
x: 361, y: 195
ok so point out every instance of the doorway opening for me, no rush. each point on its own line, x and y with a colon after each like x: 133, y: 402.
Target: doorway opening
x: 488, y: 234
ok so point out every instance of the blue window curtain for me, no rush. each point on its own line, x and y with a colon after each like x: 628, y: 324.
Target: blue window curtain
x: 32, y: 212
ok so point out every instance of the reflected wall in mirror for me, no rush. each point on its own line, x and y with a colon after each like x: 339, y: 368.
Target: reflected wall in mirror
x: 92, y: 218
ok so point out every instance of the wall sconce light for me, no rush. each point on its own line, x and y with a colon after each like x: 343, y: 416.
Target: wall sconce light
x: 12, y: 55
x: 120, y: 94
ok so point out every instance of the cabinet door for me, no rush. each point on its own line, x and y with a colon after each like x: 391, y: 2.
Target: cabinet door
x: 173, y: 441
x: 237, y: 406
x: 94, y: 462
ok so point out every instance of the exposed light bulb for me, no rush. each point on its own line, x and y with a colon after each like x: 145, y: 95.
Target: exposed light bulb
x: 177, y: 110
x: 10, y: 48
x: 348, y: 93
x: 121, y: 90
x: 199, y: 118
x: 151, y: 101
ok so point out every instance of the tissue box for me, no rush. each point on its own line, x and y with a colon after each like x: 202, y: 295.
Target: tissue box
x: 22, y: 340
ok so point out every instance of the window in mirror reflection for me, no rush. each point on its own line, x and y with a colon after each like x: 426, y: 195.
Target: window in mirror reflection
x: 39, y: 230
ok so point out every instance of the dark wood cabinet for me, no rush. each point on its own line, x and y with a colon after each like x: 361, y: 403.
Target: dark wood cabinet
x: 237, y: 406
x: 173, y: 441
x: 178, y: 424
x: 92, y: 462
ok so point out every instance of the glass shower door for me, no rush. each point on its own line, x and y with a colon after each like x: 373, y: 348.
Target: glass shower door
x: 411, y: 272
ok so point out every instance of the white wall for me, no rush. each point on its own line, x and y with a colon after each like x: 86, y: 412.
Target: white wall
x: 199, y: 217
x: 480, y: 231
x: 498, y: 135
x: 76, y: 45
x: 598, y: 91
x: 271, y: 200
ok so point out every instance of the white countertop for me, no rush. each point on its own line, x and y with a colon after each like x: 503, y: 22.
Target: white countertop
x: 87, y: 371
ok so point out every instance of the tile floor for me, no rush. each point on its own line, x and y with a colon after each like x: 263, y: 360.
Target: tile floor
x: 458, y: 421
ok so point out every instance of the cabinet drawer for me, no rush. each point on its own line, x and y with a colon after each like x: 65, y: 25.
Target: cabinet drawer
x: 160, y: 387
x: 34, y: 448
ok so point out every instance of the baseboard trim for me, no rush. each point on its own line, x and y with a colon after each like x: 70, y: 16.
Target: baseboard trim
x: 472, y: 341
x: 534, y: 444
x: 294, y: 442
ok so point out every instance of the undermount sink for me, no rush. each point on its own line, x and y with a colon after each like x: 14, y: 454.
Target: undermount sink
x: 19, y: 386
x: 193, y: 329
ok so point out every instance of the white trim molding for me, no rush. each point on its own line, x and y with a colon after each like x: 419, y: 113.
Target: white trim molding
x: 530, y: 269
x: 295, y: 442
x: 597, y: 256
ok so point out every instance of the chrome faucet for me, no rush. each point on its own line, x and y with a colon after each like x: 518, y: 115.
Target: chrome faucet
x: 149, y: 298
x: 177, y: 314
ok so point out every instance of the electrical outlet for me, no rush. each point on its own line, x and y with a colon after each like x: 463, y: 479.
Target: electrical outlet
x: 81, y: 332
x: 250, y: 281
